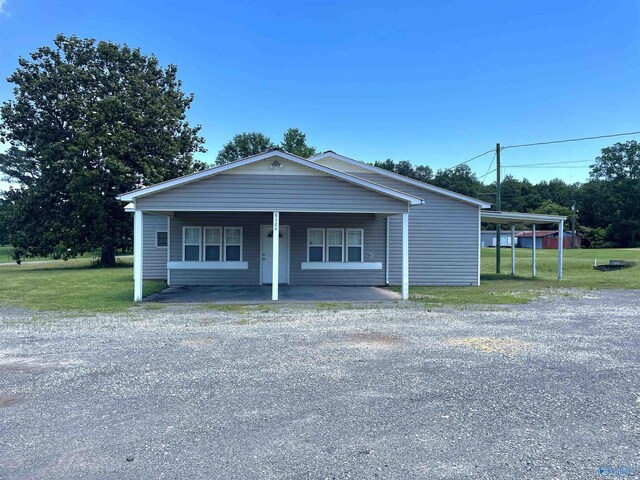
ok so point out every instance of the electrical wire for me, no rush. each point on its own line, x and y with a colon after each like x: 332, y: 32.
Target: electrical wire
x: 571, y: 140
x: 472, y: 159
x: 550, y: 163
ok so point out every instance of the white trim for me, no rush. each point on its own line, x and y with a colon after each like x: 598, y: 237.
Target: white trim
x: 405, y: 256
x: 205, y: 244
x: 138, y: 231
x: 275, y: 256
x: 411, y: 199
x: 184, y: 244
x: 402, y: 178
x: 515, y: 217
x: 513, y: 249
x: 346, y: 242
x: 386, y: 255
x: 168, y: 249
x: 170, y: 210
x: 479, y: 244
x: 162, y: 231
x: 233, y: 244
x: 191, y: 265
x: 341, y: 266
x: 324, y: 243
x: 341, y: 245
x: 560, y: 248
x: 283, y: 228
x: 533, y: 252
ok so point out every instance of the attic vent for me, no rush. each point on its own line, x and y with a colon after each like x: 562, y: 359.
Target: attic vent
x: 276, y: 164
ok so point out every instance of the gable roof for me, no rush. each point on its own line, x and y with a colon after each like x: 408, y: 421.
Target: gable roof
x: 194, y: 177
x: 401, y: 178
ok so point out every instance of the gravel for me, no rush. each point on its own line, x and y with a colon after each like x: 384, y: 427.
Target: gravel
x: 545, y: 390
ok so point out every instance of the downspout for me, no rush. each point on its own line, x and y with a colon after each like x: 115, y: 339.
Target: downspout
x: 386, y: 260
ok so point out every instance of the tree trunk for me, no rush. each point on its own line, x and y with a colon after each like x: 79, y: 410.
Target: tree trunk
x: 108, y: 256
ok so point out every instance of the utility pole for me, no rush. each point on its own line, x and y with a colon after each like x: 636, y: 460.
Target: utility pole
x: 573, y: 225
x: 498, y: 208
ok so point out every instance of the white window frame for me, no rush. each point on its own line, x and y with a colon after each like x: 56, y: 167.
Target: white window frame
x: 184, y: 244
x: 224, y: 241
x: 162, y: 231
x: 324, y: 243
x: 346, y: 242
x: 205, y: 244
x: 341, y: 244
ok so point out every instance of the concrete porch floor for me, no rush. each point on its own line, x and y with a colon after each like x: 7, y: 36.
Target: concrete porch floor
x: 262, y: 294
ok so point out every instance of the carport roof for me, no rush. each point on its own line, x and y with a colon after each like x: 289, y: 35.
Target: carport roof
x: 515, y: 217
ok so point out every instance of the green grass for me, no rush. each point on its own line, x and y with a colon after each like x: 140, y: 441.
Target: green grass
x: 7, y: 250
x: 71, y: 286
x: 506, y: 289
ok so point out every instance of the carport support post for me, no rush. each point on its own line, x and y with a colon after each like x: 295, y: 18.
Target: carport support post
x: 137, y: 256
x: 513, y: 249
x: 560, y: 247
x: 533, y: 252
x: 275, y: 256
x: 405, y: 256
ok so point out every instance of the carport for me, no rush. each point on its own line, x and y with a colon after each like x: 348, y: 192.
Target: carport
x: 533, y: 219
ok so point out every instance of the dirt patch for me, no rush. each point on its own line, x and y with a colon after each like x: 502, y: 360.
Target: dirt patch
x: 505, y: 346
x: 9, y: 399
x: 196, y: 342
x: 33, y: 365
x: 376, y: 339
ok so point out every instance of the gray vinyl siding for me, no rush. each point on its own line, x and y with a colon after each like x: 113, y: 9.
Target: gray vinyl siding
x: 374, y: 244
x: 271, y: 192
x: 154, y: 259
x: 443, y: 238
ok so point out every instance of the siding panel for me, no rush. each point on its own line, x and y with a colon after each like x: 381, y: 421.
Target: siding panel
x: 154, y: 259
x: 274, y: 192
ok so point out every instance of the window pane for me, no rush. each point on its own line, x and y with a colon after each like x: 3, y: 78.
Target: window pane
x: 316, y: 237
x: 192, y: 235
x: 315, y: 254
x: 161, y: 239
x: 334, y: 237
x: 354, y: 237
x: 232, y: 236
x: 191, y: 253
x: 212, y: 253
x: 354, y: 254
x: 335, y: 254
x: 233, y: 253
x: 212, y: 236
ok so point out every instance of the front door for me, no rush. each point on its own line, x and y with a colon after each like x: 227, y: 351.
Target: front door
x: 267, y: 254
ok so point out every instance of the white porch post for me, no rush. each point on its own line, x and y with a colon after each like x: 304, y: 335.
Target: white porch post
x: 513, y: 249
x: 560, y: 247
x: 275, y: 256
x: 405, y: 256
x: 533, y: 252
x: 137, y: 256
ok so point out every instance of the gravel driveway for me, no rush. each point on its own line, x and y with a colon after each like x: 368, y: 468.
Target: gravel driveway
x: 546, y: 390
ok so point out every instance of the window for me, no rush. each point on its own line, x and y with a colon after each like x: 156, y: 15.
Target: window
x: 212, y: 244
x: 162, y: 239
x: 191, y: 237
x: 335, y: 245
x: 354, y: 244
x: 232, y: 244
x: 315, y: 245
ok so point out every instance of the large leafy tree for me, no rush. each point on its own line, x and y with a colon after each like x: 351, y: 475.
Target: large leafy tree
x: 243, y: 145
x: 89, y: 120
x: 424, y: 173
x: 294, y: 141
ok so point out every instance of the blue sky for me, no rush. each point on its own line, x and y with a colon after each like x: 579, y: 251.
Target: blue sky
x: 431, y: 82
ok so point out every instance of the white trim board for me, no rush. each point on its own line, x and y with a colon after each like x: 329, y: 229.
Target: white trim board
x: 341, y: 266
x: 411, y: 199
x: 186, y: 265
x: 401, y: 178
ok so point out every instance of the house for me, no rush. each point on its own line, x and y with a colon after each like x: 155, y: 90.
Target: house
x: 547, y: 239
x: 276, y: 218
x: 488, y: 239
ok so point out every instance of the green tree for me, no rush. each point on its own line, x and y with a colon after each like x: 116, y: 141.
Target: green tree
x: 294, y: 141
x: 244, y: 145
x: 89, y: 120
x: 459, y: 179
x: 422, y: 173
x: 620, y: 162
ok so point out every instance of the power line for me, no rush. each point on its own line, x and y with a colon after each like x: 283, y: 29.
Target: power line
x: 572, y: 140
x: 550, y: 163
x: 471, y: 159
x: 488, y: 173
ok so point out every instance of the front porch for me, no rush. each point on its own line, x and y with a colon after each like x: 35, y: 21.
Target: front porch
x: 262, y: 294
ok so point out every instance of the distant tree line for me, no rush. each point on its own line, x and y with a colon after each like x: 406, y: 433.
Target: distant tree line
x: 607, y: 206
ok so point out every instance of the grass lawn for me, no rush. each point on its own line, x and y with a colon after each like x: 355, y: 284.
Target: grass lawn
x: 72, y: 286
x: 506, y: 289
x: 77, y: 286
x: 7, y: 250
